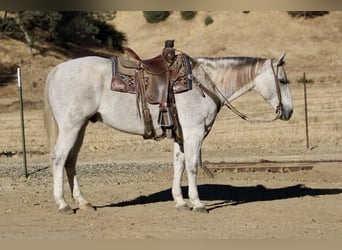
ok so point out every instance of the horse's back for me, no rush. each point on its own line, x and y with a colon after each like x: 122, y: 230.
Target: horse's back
x: 91, y: 64
x: 80, y: 73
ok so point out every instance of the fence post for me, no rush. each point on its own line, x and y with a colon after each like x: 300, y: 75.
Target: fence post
x: 22, y: 122
x: 306, y: 112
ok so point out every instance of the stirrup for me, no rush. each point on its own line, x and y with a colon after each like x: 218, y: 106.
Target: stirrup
x: 165, y: 118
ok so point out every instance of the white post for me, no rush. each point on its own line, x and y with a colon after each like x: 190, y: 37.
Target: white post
x: 22, y: 122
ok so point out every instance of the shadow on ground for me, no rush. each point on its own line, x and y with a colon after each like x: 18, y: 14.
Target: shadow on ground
x: 226, y: 195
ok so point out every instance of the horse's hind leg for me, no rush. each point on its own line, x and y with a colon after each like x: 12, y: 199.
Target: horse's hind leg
x: 70, y: 167
x: 66, y: 140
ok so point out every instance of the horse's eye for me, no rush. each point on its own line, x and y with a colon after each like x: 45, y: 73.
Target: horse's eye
x: 283, y: 81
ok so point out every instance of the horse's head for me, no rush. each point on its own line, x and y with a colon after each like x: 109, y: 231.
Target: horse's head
x: 273, y: 85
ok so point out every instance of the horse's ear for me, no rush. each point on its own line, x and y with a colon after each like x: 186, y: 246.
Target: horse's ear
x: 281, y: 59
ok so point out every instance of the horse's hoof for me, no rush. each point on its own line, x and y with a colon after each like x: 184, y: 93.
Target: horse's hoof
x: 184, y: 207
x: 66, y: 210
x: 201, y: 210
x: 88, y: 207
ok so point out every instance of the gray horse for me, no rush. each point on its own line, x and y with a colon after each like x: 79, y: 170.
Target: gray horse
x: 79, y: 90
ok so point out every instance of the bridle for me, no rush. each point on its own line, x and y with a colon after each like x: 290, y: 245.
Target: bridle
x: 226, y: 102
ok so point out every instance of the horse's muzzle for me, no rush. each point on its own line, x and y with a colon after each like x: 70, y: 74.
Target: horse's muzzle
x: 286, y: 114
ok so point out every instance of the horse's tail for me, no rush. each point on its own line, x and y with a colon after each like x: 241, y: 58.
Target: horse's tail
x: 49, y: 120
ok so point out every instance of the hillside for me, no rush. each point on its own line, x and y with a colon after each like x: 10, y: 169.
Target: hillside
x: 313, y: 45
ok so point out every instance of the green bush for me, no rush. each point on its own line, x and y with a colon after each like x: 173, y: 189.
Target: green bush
x: 156, y: 16
x: 208, y: 20
x: 87, y: 28
x: 302, y: 80
x: 307, y: 14
x: 63, y: 27
x: 188, y: 15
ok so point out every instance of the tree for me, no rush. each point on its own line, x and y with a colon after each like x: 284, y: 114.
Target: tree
x: 63, y: 27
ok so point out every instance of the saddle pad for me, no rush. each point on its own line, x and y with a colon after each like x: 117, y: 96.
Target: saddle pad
x: 123, y: 78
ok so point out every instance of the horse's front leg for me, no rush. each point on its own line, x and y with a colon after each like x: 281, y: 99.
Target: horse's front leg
x: 192, y: 148
x: 178, y: 166
x: 191, y: 163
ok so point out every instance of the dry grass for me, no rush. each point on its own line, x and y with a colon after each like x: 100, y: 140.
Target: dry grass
x: 312, y: 46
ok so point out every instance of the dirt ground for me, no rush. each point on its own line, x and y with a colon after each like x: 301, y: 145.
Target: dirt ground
x: 128, y: 179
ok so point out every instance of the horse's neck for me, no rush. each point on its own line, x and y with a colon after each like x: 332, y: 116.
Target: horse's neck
x: 231, y: 78
x: 238, y: 91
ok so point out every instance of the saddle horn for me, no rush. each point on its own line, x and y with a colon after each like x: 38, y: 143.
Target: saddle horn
x: 169, y: 52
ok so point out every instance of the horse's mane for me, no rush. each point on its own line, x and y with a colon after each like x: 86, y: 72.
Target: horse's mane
x: 232, y: 70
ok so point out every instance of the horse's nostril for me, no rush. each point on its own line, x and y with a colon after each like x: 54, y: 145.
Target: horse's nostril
x: 290, y: 114
x: 287, y: 114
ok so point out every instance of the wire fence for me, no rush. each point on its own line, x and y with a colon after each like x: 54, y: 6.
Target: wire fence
x: 324, y: 116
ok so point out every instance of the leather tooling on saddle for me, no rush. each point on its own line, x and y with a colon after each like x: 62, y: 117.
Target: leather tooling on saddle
x: 154, y: 81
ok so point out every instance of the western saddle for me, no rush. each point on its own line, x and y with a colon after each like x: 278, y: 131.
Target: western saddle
x: 155, y: 81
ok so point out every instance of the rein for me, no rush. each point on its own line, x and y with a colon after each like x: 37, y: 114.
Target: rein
x: 236, y: 111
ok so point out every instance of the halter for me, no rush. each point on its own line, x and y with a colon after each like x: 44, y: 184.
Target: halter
x: 226, y: 102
